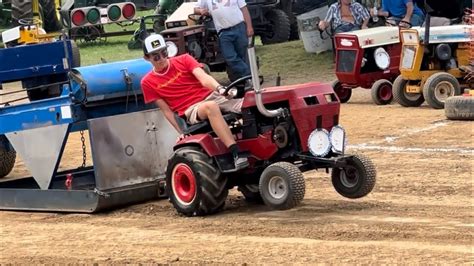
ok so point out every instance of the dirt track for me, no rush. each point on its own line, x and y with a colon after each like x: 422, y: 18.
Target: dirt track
x: 421, y: 210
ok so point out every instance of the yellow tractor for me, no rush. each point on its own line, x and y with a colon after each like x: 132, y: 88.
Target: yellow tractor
x: 431, y: 65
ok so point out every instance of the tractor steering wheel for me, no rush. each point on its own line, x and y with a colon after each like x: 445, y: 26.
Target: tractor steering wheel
x: 391, y: 22
x: 237, y: 81
x: 199, y: 19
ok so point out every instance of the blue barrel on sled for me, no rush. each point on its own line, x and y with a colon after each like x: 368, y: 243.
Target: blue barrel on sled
x: 109, y: 80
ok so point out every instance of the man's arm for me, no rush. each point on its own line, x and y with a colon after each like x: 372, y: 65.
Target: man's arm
x: 248, y: 20
x: 168, y: 114
x: 409, y: 13
x: 323, y: 24
x: 201, y: 9
x: 206, y: 80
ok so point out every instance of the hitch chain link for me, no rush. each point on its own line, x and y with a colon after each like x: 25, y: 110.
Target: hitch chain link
x: 84, y: 154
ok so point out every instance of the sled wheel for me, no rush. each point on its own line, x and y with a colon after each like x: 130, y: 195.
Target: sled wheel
x: 459, y: 108
x: 438, y: 87
x: 344, y: 94
x: 381, y: 92
x: 356, y: 179
x: 404, y: 98
x: 280, y: 27
x: 7, y: 156
x: 251, y: 193
x: 194, y: 184
x: 282, y: 186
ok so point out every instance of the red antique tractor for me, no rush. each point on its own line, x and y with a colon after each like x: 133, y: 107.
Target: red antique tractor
x: 284, y: 131
x: 369, y: 59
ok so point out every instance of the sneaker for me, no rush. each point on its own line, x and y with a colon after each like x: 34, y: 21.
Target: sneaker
x: 240, y: 162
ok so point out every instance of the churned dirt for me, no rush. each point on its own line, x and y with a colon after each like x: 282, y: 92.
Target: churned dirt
x: 421, y: 210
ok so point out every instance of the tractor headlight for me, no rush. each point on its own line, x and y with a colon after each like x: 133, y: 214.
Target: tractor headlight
x: 382, y: 59
x: 338, y: 140
x: 408, y: 57
x: 318, y: 142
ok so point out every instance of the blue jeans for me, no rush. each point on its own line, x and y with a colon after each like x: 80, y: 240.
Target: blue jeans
x: 346, y: 27
x: 233, y: 43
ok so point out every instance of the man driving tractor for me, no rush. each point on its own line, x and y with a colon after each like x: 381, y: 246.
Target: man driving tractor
x: 345, y: 15
x: 180, y: 85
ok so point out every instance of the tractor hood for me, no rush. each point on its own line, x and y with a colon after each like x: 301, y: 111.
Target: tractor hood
x: 372, y: 37
x: 292, y: 94
x: 447, y: 34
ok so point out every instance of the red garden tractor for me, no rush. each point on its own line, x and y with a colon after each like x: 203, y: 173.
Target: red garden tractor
x: 369, y: 59
x: 284, y: 131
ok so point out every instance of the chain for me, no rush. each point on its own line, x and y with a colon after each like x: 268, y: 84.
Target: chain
x: 84, y: 155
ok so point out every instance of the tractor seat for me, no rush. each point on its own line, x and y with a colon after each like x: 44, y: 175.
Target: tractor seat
x: 204, y: 126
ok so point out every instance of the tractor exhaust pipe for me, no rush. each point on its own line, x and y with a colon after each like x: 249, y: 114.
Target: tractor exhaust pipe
x: 256, y: 83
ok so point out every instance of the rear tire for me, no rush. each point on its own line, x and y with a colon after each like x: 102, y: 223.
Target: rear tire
x: 356, y: 179
x: 344, y: 94
x: 251, y: 193
x: 21, y: 9
x: 402, y: 97
x: 282, y: 186
x: 459, y: 108
x: 50, y: 19
x: 194, y: 184
x: 280, y: 24
x: 439, y: 87
x: 7, y: 156
x: 381, y: 92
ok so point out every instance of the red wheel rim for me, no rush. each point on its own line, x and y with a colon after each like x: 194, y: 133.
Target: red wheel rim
x: 184, y: 183
x: 341, y: 92
x: 385, y: 92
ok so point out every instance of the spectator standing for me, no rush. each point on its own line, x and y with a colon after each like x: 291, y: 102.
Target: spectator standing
x: 234, y: 27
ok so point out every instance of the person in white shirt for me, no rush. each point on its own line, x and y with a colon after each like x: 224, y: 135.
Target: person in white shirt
x: 234, y: 27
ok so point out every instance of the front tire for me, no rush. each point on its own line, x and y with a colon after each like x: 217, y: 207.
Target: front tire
x: 280, y: 25
x: 402, y: 96
x: 439, y: 87
x: 7, y: 156
x: 194, y: 184
x: 282, y: 186
x: 356, y: 179
x: 344, y: 94
x: 381, y: 92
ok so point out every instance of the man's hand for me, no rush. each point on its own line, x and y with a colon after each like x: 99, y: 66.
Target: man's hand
x: 204, y: 12
x: 404, y: 23
x: 250, y: 32
x: 322, y: 25
x: 180, y: 137
x: 221, y: 90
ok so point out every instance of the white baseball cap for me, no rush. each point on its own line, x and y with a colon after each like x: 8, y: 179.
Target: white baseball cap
x: 154, y: 43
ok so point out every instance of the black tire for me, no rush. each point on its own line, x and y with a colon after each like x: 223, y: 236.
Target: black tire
x: 7, y: 156
x: 402, y: 97
x: 21, y: 9
x: 356, y: 179
x: 294, y: 32
x: 344, y: 94
x: 282, y: 186
x: 280, y: 24
x: 381, y: 92
x: 189, y: 167
x: 459, y: 108
x: 439, y: 87
x: 50, y: 18
x: 251, y: 193
x: 76, y: 55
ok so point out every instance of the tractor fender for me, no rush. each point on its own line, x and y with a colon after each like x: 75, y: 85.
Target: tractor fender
x: 210, y: 145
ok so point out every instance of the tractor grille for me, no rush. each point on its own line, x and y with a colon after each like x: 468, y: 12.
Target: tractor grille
x: 346, y: 60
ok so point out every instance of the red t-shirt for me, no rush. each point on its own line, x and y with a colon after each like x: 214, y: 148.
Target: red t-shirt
x: 178, y: 87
